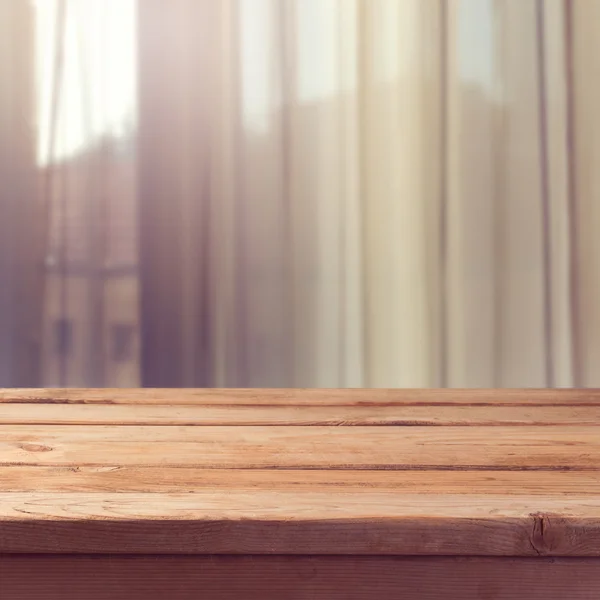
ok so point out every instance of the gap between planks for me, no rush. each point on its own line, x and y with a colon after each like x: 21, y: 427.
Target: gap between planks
x: 306, y: 397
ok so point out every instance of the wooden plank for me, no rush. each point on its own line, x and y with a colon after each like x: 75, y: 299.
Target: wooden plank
x: 171, y: 480
x: 306, y: 397
x: 454, y: 448
x: 296, y: 578
x: 238, y: 522
x: 337, y: 508
x: 402, y: 415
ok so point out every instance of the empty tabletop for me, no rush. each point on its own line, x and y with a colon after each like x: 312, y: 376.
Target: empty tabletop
x: 363, y: 472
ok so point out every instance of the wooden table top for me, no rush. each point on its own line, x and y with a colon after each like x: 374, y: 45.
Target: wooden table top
x: 371, y: 472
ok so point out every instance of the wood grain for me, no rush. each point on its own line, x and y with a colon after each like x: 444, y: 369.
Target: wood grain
x: 306, y: 397
x: 304, y: 447
x: 404, y: 415
x: 273, y: 522
x: 296, y: 578
x: 328, y: 472
x: 116, y: 478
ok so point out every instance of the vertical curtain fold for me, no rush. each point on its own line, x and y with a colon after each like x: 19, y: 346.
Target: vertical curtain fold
x: 173, y: 184
x: 21, y: 217
x: 583, y: 32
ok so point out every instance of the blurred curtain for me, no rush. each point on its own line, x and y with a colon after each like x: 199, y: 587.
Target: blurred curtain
x: 21, y: 219
x: 326, y: 193
x: 369, y: 192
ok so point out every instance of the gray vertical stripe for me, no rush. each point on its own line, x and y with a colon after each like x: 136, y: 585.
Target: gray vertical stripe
x: 287, y: 74
x: 362, y: 127
x: 240, y: 336
x: 443, y: 196
x: 572, y: 197
x: 499, y: 192
x: 545, y: 193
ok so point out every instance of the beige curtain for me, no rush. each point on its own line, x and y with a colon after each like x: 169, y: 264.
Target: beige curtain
x: 399, y: 192
x: 329, y: 192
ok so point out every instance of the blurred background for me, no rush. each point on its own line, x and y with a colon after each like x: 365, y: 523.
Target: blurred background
x: 332, y: 193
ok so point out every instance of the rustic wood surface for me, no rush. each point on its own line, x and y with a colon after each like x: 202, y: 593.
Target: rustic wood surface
x: 296, y: 578
x: 371, y: 472
x: 233, y: 447
x: 396, y: 414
